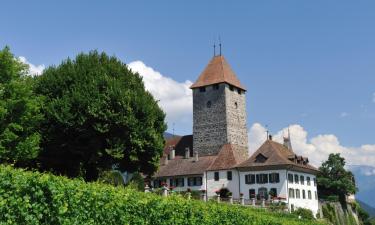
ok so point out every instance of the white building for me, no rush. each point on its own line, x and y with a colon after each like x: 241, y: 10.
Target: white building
x: 216, y: 157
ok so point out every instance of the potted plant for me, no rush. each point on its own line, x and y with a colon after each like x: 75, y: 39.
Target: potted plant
x: 241, y: 194
x: 217, y: 192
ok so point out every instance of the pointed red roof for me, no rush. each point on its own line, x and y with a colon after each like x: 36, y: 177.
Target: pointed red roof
x: 217, y: 71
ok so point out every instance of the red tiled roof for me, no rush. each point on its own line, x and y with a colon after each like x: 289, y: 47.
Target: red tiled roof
x: 217, y: 71
x: 277, y: 155
x: 227, y: 158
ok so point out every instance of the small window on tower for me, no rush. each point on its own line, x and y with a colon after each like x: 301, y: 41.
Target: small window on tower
x: 202, y: 89
x: 231, y: 88
x: 209, y: 104
x: 216, y: 86
x: 239, y: 91
x: 236, y: 105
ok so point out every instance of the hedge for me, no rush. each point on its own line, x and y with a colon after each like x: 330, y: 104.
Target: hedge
x: 38, y: 198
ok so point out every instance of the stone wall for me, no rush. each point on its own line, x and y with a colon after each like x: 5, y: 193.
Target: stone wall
x: 219, y: 117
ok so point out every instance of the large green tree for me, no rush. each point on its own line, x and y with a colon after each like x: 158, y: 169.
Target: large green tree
x: 334, y: 179
x: 98, y: 114
x: 19, y: 112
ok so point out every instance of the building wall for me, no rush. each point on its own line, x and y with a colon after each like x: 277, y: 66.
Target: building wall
x: 209, y: 123
x: 223, y: 182
x: 281, y: 186
x: 222, y: 121
x: 313, y: 203
x: 185, y: 187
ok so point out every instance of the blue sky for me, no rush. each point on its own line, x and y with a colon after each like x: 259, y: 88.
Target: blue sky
x: 303, y: 62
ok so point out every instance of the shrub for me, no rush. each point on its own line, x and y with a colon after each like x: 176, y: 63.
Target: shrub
x: 35, y: 198
x: 304, y: 213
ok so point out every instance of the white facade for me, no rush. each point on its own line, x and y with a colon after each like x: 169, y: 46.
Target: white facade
x: 223, y: 182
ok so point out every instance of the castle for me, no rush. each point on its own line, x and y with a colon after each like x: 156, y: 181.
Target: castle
x: 216, y: 156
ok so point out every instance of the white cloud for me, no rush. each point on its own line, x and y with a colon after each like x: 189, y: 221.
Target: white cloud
x: 344, y: 114
x: 317, y: 148
x: 33, y: 69
x: 175, y: 98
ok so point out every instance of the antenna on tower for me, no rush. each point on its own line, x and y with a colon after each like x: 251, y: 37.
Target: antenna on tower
x: 267, y: 131
x: 220, y: 44
x: 172, y: 129
x: 214, y: 49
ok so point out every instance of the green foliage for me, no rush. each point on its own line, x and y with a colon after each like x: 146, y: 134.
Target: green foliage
x: 304, y: 213
x: 333, y: 179
x: 112, y: 177
x: 137, y: 182
x: 34, y: 198
x: 98, y: 114
x: 19, y: 112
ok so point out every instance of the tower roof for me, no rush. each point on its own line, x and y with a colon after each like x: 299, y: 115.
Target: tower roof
x: 217, y: 71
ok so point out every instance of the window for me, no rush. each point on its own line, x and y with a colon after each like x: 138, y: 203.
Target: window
x: 216, y: 176
x: 195, y: 181
x: 291, y: 193
x: 303, y: 194
x: 273, y: 192
x: 274, y: 177
x: 302, y: 178
x: 262, y: 178
x: 229, y: 175
x: 216, y: 87
x: 208, y: 104
x: 177, y: 182
x: 316, y: 196
x: 236, y: 105
x: 250, y: 179
x: 309, y: 194
x: 298, y: 194
x: 251, y: 193
x: 239, y: 91
x: 315, y: 182
x: 202, y: 89
x: 262, y: 192
x: 231, y: 88
x: 290, y: 178
x: 296, y: 180
x: 308, y: 181
x: 158, y: 183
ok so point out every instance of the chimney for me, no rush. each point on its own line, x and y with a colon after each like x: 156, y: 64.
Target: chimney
x: 187, y: 153
x: 172, y: 153
x: 196, y: 156
x: 166, y: 160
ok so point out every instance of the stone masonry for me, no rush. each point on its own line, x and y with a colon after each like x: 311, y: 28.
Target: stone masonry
x: 219, y: 117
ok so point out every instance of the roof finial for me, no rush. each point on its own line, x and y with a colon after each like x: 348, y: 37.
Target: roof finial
x: 214, y: 49
x: 267, y: 137
x: 220, y: 44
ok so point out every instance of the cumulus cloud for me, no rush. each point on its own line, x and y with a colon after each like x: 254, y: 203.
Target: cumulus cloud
x: 175, y: 98
x: 33, y: 69
x: 316, y: 148
x: 344, y: 114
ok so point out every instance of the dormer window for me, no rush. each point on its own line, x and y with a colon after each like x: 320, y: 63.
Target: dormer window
x: 260, y: 158
x: 202, y: 89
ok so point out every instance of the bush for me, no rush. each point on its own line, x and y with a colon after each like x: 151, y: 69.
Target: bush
x: 35, y: 198
x: 304, y: 213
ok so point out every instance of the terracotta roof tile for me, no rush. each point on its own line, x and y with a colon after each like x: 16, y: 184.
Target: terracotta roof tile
x: 227, y: 158
x: 217, y: 71
x: 180, y: 166
x: 276, y: 155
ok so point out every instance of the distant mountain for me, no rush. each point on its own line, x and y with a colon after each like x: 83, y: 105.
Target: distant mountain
x: 168, y: 135
x: 365, y: 180
x: 370, y: 210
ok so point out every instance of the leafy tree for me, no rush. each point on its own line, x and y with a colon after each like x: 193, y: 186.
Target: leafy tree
x: 98, y: 114
x: 333, y: 179
x: 19, y: 112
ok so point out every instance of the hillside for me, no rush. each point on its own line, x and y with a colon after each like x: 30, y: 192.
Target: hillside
x: 370, y: 210
x: 35, y: 198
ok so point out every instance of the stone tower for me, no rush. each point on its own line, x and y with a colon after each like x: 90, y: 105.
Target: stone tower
x: 219, y: 110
